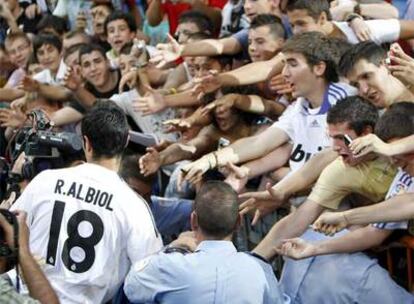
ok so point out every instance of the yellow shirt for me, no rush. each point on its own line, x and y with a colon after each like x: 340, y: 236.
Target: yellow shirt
x: 370, y: 179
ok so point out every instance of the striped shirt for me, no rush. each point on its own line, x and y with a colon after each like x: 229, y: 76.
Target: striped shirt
x: 402, y: 183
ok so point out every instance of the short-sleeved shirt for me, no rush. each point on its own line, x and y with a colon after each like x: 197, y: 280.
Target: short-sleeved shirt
x: 402, y: 183
x: 89, y: 226
x: 150, y: 124
x: 382, y: 31
x: 371, y: 179
x: 339, y: 278
x: 306, y: 127
x: 214, y: 273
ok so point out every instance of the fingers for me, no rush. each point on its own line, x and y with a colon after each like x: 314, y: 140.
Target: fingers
x: 257, y: 216
x: 8, y: 229
x: 6, y: 204
x: 239, y: 173
x: 247, y: 206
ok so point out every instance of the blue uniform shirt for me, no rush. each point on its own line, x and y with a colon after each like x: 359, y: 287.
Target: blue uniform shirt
x: 340, y: 278
x: 214, y: 273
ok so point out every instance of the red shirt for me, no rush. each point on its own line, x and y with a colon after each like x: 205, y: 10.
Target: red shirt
x: 174, y: 11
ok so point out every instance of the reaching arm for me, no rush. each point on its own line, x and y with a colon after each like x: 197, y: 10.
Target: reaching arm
x: 66, y: 115
x: 398, y: 208
x: 240, y: 151
x: 292, y: 225
x: 10, y: 94
x: 407, y: 29
x: 213, y: 13
x: 252, y: 73
x: 259, y: 105
x: 354, y: 241
x: 212, y: 47
x: 379, y: 11
x: 154, y: 13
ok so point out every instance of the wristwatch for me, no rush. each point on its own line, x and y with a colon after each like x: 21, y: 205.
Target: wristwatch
x: 353, y: 16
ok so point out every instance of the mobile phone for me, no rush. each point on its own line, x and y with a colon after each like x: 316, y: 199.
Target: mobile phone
x: 347, y: 139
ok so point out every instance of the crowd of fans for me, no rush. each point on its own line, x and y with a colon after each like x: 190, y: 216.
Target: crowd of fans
x: 194, y: 151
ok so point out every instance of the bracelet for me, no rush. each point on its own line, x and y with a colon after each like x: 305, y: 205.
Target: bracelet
x: 353, y: 16
x: 172, y: 91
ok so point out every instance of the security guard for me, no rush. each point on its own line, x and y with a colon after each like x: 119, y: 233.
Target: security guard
x: 215, y: 272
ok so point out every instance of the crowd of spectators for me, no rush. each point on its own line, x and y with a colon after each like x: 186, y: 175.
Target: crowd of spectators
x: 207, y: 151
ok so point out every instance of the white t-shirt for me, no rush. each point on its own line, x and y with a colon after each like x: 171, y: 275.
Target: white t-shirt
x: 306, y: 127
x: 402, y: 183
x: 89, y: 226
x: 45, y: 76
x: 149, y: 124
x: 381, y: 30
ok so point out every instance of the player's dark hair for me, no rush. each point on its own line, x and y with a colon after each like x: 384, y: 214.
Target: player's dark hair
x: 106, y: 127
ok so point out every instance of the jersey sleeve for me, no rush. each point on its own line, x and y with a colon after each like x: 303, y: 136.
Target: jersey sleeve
x: 143, y: 238
x: 333, y: 185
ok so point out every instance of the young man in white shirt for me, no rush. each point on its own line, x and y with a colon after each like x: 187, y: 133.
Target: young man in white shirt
x: 85, y: 221
x: 310, y: 69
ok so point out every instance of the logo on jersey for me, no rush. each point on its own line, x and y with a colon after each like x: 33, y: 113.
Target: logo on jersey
x: 299, y: 154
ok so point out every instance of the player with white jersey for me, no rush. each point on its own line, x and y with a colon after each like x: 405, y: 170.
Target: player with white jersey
x: 85, y: 221
x: 310, y: 69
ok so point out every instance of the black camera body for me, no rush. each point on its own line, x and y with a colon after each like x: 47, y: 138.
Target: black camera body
x: 43, y: 147
x: 5, y: 250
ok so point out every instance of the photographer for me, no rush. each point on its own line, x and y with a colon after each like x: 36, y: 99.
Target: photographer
x: 39, y: 287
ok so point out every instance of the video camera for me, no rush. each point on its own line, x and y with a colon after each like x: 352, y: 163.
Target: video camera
x: 44, y: 148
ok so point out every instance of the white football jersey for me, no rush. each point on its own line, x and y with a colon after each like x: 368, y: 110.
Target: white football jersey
x: 402, y: 183
x: 307, y: 128
x: 89, y: 226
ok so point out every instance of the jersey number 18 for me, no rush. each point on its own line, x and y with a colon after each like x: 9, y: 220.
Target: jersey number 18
x: 87, y: 244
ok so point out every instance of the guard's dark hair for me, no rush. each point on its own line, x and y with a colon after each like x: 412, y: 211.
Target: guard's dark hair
x: 217, y: 209
x: 356, y: 111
